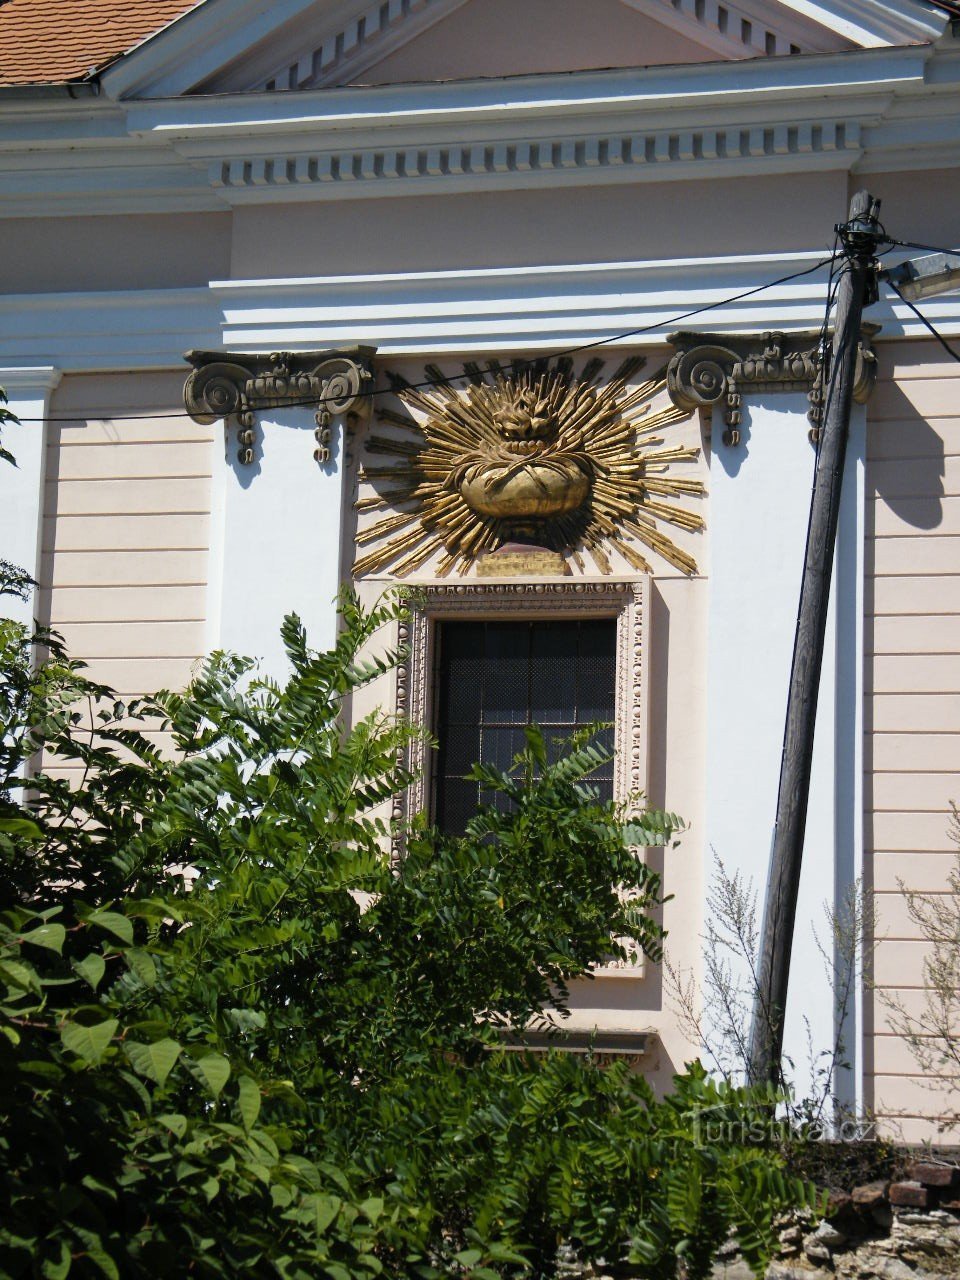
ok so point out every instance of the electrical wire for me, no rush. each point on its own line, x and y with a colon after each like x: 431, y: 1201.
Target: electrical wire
x: 314, y: 402
x: 925, y: 322
x: 912, y: 244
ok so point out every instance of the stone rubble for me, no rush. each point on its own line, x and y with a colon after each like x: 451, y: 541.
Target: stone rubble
x: 881, y: 1231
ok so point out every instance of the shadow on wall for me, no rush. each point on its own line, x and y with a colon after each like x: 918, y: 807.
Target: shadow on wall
x: 907, y: 475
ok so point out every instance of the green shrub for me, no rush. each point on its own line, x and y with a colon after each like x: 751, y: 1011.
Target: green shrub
x: 236, y: 1039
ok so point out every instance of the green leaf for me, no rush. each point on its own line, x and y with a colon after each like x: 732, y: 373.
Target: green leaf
x: 91, y: 968
x: 214, y: 1070
x: 325, y: 1209
x: 49, y: 936
x: 98, y: 1254
x: 20, y: 827
x: 176, y: 1123
x: 113, y: 923
x: 89, y: 1042
x: 141, y: 963
x: 57, y: 1268
x: 19, y: 976
x: 372, y: 1208
x: 248, y: 1101
x: 155, y: 1061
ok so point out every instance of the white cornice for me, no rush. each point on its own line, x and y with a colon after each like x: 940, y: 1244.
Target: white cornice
x: 871, y: 24
x: 861, y: 111
x: 28, y: 378
x: 196, y: 45
x: 703, y: 87
x: 417, y: 313
x: 739, y: 30
x: 109, y: 330
x: 218, y: 34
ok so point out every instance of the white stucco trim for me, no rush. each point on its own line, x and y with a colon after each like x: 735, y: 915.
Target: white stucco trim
x: 849, y: 573
x: 811, y: 145
x: 28, y: 390
x: 759, y: 505
x: 280, y: 544
x: 737, y: 117
x: 413, y: 313
x: 108, y: 330
x: 873, y: 25
x: 196, y: 46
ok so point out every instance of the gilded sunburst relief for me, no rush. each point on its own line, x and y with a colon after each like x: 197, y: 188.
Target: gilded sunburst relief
x: 529, y: 454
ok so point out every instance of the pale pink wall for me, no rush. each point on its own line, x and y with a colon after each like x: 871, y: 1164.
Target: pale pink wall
x: 514, y: 228
x: 912, y: 708
x: 516, y: 37
x: 126, y: 529
x: 917, y: 205
x: 119, y: 251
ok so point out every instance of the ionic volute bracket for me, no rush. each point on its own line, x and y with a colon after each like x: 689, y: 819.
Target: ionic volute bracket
x: 235, y: 386
x: 710, y: 370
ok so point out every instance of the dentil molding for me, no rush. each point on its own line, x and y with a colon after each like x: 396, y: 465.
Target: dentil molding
x: 597, y: 157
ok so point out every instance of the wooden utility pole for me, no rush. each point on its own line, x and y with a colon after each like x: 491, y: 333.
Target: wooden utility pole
x: 857, y: 287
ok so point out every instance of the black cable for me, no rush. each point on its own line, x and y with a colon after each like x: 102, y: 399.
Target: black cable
x: 911, y: 244
x: 825, y: 343
x: 313, y: 402
x: 926, y: 323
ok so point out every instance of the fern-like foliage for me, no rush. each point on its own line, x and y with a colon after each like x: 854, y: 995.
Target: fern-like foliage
x: 235, y: 1038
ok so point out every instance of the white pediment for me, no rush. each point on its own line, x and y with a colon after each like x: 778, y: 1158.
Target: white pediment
x: 236, y: 46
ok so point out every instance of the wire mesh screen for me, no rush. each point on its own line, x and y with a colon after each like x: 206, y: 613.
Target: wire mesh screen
x: 493, y: 678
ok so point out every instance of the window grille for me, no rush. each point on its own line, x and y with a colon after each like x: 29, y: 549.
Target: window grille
x: 494, y: 677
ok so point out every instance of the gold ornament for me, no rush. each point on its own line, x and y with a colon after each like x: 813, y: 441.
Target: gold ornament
x: 531, y: 454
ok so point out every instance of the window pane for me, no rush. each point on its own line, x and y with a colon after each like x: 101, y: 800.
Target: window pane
x: 462, y: 667
x: 553, y: 668
x: 456, y: 804
x: 499, y: 746
x: 596, y: 671
x: 495, y: 677
x: 506, y: 657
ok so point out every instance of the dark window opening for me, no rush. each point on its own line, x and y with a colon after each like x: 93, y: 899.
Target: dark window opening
x: 492, y: 678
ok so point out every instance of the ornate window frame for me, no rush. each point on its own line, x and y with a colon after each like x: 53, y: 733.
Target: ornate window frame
x: 625, y: 600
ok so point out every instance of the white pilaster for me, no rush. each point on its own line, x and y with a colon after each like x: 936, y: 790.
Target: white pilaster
x: 849, y: 573
x: 21, y: 487
x: 282, y: 517
x: 759, y: 507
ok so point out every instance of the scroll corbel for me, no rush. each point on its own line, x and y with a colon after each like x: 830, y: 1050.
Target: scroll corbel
x: 235, y: 386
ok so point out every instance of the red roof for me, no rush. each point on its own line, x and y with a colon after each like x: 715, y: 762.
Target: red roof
x: 45, y: 41
x: 49, y: 41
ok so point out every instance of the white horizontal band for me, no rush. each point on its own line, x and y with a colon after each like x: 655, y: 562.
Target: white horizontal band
x: 516, y: 308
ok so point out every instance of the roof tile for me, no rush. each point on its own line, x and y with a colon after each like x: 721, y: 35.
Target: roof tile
x: 46, y: 41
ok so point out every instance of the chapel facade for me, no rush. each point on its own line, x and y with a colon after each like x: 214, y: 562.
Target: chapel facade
x: 519, y: 304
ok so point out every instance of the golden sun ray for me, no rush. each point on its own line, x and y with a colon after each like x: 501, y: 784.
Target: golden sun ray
x: 529, y: 453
